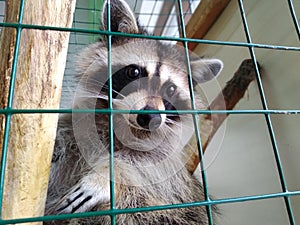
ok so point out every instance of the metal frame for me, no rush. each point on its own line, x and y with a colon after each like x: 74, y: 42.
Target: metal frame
x: 10, y: 111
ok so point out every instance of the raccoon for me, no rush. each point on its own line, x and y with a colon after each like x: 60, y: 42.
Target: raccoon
x: 148, y: 156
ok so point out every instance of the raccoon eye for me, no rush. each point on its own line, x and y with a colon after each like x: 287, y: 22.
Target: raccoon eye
x: 133, y: 72
x: 171, y: 90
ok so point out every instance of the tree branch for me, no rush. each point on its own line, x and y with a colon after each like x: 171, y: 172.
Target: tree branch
x: 228, y: 98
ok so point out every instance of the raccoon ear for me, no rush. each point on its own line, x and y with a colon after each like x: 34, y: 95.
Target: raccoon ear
x: 122, y: 18
x: 204, y: 70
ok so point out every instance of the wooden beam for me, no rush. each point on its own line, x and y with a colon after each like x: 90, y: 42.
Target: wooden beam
x: 40, y: 68
x: 203, y: 18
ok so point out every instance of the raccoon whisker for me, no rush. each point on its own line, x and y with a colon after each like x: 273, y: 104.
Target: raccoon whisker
x: 135, y: 127
x: 83, y: 93
x: 173, y: 123
x: 86, y: 90
x: 170, y: 121
x: 178, y: 124
x: 119, y: 102
x: 94, y: 96
x: 96, y: 93
x: 175, y: 115
x: 98, y: 85
x: 95, y: 84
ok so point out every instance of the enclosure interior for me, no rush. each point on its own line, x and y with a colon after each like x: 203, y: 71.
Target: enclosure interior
x: 242, y: 171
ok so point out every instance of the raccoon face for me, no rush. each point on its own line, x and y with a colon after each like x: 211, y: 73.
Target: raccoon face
x: 152, y: 86
x: 146, y: 74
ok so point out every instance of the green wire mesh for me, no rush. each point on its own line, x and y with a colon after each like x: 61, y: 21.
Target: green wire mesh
x: 85, y: 31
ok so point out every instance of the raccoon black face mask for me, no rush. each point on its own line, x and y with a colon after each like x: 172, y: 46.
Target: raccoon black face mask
x: 149, y: 161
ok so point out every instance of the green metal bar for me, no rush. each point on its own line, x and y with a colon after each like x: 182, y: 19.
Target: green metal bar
x: 195, y: 118
x: 294, y: 17
x: 111, y: 118
x: 153, y: 208
x: 9, y: 111
x: 118, y: 111
x: 199, y: 41
x: 268, y: 118
x: 89, y: 9
x: 9, y: 106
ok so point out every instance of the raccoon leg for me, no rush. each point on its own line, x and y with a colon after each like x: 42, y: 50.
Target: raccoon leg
x: 89, y: 192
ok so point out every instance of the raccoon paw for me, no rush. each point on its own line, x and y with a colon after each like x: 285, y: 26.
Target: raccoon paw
x: 82, y: 198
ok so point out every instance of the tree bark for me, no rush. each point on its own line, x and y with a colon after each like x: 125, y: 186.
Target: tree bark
x: 40, y: 68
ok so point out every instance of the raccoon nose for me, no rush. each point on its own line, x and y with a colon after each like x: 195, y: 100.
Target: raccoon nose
x: 149, y: 121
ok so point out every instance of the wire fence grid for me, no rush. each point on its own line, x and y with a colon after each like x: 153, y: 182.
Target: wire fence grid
x: 87, y: 31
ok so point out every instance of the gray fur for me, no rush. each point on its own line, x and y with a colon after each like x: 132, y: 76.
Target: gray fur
x: 149, y: 167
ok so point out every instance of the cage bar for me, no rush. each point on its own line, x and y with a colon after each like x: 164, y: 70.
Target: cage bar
x: 294, y: 17
x: 111, y: 126
x: 195, y: 119
x: 113, y: 212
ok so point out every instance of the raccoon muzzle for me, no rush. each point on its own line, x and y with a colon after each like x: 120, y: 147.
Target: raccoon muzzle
x: 149, y: 121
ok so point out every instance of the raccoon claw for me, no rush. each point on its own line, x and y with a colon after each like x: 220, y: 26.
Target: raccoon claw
x: 82, y: 198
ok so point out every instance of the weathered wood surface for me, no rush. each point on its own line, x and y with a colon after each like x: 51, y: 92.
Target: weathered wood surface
x: 227, y: 99
x: 203, y: 18
x: 40, y: 68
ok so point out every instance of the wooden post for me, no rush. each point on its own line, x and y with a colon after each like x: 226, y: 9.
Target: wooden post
x: 40, y: 68
x: 229, y: 97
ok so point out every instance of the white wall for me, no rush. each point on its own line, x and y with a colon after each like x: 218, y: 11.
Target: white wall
x: 245, y: 162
